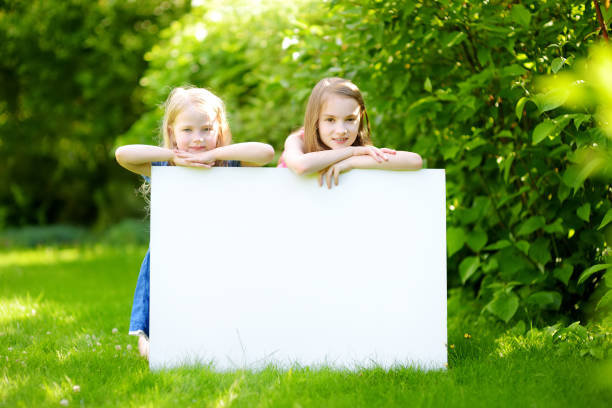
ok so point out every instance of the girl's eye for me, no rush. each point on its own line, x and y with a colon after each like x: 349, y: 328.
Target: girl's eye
x: 187, y: 130
x: 329, y: 119
x: 207, y: 129
x: 350, y: 120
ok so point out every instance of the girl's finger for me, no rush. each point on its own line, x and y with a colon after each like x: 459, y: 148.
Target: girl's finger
x: 328, y: 177
x: 388, y: 151
x: 321, y: 178
x: 374, y: 155
x: 380, y: 155
x: 336, y: 174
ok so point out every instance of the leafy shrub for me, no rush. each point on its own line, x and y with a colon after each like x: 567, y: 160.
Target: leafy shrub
x: 128, y: 232
x: 452, y: 80
x: 33, y: 236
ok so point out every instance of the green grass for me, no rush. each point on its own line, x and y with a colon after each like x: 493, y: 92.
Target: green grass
x: 58, y: 309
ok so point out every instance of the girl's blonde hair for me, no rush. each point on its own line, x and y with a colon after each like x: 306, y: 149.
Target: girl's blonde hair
x: 179, y: 99
x: 209, y: 103
x: 338, y: 86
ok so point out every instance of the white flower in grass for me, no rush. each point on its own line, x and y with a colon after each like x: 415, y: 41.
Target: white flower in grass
x: 48, y: 332
x: 98, y: 344
x: 10, y: 349
x: 76, y: 388
x: 33, y: 312
x: 117, y: 347
x: 115, y: 330
x: 128, y: 347
x: 64, y: 402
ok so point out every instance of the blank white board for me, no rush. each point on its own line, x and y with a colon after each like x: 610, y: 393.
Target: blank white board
x: 259, y: 266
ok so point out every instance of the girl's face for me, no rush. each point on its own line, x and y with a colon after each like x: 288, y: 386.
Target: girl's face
x: 338, y: 121
x: 194, y: 130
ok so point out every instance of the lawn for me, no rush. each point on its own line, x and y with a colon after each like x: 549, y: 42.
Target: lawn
x: 64, y: 316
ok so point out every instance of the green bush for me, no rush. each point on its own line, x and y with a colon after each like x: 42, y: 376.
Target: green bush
x: 453, y: 81
x: 129, y: 232
x: 51, y: 235
x: 69, y: 72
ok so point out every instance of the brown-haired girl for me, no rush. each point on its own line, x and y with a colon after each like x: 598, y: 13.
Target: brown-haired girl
x: 336, y: 136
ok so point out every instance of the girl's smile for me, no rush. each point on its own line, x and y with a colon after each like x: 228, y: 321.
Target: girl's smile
x: 194, y: 130
x: 339, y: 121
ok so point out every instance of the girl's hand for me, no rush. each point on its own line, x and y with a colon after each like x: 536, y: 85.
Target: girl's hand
x: 188, y: 159
x: 333, y: 172
x: 379, y: 155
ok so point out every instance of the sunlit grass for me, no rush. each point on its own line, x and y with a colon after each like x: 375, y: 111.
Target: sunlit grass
x: 58, y: 309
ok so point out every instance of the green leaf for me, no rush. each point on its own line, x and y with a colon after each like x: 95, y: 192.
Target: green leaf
x: 519, y: 107
x: 456, y: 39
x: 564, y: 273
x: 546, y: 300
x: 503, y: 305
x: 498, y: 245
x: 513, y: 70
x: 556, y: 226
x: 455, y: 238
x: 608, y: 278
x: 574, y: 177
x: 473, y: 160
x: 563, y: 192
x: 550, y: 100
x: 605, y: 300
x: 484, y: 55
x: 477, y: 239
x: 606, y: 14
x: 523, y: 246
x: 539, y: 251
x: 468, y: 267
x: 530, y: 225
x: 491, y: 265
x: 556, y: 64
x: 542, y: 131
x: 427, y: 85
x: 580, y: 118
x: 606, y: 219
x: 519, y: 14
x: 584, y: 211
x: 588, y: 272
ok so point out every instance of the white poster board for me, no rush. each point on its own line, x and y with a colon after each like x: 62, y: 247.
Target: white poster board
x: 258, y: 266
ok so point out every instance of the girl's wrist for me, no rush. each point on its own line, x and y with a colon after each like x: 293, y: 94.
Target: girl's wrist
x: 214, y: 153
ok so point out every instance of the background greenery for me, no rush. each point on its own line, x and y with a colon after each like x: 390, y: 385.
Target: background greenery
x: 528, y: 178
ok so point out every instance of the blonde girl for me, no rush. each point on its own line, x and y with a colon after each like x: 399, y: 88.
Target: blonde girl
x: 336, y: 136
x: 195, y: 133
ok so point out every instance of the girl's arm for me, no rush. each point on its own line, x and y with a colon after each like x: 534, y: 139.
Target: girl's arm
x: 138, y: 158
x: 399, y: 161
x: 250, y: 154
x: 307, y: 163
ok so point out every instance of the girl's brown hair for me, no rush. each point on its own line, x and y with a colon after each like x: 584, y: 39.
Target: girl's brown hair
x: 338, y: 86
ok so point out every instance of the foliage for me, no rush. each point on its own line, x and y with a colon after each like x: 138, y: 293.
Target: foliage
x: 454, y: 81
x: 69, y: 75
x: 238, y: 50
x: 34, y: 236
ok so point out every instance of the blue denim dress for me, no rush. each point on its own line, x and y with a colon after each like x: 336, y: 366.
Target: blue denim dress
x: 139, y: 321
